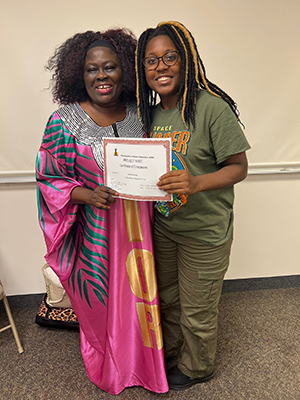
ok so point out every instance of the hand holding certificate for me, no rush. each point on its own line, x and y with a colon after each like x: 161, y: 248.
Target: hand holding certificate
x: 132, y: 167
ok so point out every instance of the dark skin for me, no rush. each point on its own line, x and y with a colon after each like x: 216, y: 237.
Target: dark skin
x: 101, y: 197
x: 233, y: 170
x: 103, y: 78
x: 165, y: 81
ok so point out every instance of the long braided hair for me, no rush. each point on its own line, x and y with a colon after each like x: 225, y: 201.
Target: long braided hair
x: 193, y: 76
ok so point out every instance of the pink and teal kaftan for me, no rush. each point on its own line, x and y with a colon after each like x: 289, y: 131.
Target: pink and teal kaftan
x: 104, y: 259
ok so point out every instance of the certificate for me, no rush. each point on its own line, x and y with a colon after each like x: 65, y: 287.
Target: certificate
x: 132, y: 167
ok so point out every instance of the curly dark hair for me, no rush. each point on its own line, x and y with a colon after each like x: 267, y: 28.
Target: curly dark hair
x: 67, y: 63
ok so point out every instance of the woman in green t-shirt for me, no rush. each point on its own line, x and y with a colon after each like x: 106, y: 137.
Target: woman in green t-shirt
x: 193, y: 233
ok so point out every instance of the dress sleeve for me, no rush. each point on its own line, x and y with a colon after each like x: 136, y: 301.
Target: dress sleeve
x: 56, y: 178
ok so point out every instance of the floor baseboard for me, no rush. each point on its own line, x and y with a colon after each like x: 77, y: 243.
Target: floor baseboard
x: 230, y: 285
x: 273, y: 282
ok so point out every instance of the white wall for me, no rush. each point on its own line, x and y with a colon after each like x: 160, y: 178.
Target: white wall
x: 249, y: 48
x: 22, y: 246
x: 266, y: 239
x: 267, y: 227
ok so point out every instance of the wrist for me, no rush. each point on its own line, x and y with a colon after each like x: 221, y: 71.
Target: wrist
x: 80, y: 195
x: 197, y: 184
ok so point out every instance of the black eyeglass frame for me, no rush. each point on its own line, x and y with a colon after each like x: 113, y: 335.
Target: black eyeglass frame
x: 161, y: 58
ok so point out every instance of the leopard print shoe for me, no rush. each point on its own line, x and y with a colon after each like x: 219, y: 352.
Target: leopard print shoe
x: 56, y: 317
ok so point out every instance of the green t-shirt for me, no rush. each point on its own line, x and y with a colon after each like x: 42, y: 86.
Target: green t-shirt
x: 205, y: 216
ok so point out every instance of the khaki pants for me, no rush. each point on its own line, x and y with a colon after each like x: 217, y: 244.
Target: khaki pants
x: 190, y: 278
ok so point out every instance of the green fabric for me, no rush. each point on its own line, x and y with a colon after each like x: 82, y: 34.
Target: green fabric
x: 190, y: 277
x: 205, y: 216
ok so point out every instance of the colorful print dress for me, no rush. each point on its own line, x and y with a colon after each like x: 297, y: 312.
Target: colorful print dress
x: 104, y: 259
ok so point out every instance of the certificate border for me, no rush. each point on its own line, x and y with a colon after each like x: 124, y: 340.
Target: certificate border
x: 166, y: 142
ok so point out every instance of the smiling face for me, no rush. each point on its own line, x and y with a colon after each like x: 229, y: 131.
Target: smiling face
x: 163, y: 80
x: 103, y: 77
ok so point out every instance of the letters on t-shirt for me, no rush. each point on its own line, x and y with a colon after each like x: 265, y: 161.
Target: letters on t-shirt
x: 180, y: 146
x: 180, y: 139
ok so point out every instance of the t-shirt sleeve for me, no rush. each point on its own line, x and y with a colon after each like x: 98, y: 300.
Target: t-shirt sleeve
x: 227, y: 135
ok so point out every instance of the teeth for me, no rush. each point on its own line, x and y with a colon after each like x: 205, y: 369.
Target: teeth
x: 163, y: 78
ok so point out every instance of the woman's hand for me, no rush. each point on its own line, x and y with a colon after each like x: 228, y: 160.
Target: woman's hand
x: 233, y: 170
x: 101, y: 197
x: 178, y: 182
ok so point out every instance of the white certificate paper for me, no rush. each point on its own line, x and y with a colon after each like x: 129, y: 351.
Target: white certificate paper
x: 132, y: 167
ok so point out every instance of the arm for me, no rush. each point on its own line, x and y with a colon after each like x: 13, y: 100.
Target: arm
x: 56, y: 175
x: 101, y: 197
x: 233, y: 170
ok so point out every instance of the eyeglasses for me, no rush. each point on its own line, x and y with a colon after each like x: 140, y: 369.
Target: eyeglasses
x: 169, y: 59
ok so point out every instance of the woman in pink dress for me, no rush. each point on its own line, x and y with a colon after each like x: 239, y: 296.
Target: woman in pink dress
x: 100, y: 246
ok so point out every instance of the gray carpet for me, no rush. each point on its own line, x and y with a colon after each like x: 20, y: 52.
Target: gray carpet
x: 258, y: 355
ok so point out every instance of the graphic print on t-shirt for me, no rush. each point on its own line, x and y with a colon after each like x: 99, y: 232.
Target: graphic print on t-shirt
x: 180, y: 141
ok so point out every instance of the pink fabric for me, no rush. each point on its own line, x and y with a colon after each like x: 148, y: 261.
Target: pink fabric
x: 90, y: 250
